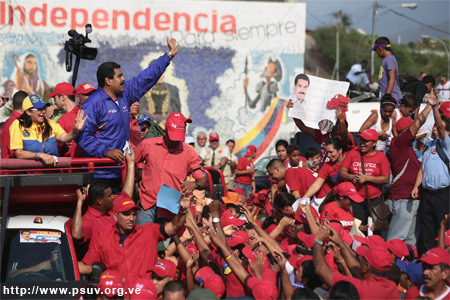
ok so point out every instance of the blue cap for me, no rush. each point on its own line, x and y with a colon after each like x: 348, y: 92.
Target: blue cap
x: 33, y: 101
x: 413, y: 270
x: 143, y: 118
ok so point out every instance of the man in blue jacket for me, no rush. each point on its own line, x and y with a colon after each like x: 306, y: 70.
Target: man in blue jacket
x: 106, y: 131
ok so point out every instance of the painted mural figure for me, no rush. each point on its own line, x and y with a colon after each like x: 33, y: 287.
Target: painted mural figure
x: 161, y: 100
x: 25, y: 77
x: 267, y: 89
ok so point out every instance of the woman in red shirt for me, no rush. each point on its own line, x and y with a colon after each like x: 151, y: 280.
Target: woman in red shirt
x: 336, y: 205
x: 377, y: 170
x: 329, y: 173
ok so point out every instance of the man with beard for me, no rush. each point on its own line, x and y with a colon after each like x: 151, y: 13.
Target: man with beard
x: 27, y: 79
x: 267, y: 89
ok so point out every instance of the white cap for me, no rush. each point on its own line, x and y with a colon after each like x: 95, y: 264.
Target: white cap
x: 189, y: 140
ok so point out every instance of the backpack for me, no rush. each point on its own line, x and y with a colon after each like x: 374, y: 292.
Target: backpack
x: 154, y: 131
x: 403, y: 80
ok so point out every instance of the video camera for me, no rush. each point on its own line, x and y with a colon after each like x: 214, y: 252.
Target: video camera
x: 76, y: 45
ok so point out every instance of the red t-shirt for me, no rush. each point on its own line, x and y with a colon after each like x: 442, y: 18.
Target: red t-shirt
x: 300, y: 179
x: 370, y: 288
x: 330, y: 170
x: 375, y: 165
x: 5, y: 137
x: 138, y: 255
x: 94, y: 221
x: 135, y: 133
x: 322, y: 138
x: 403, y: 161
x: 67, y: 121
x: 339, y: 214
x: 415, y: 291
x: 244, y: 164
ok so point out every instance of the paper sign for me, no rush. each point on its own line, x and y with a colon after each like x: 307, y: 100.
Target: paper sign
x: 38, y: 236
x: 310, y: 102
x: 168, y: 198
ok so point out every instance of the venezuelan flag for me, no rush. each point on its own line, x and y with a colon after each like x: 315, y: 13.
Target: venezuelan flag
x: 264, y: 133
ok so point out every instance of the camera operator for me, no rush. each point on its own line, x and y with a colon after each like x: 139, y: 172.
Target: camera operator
x: 108, y: 125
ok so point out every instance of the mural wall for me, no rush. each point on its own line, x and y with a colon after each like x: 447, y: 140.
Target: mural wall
x: 234, y: 71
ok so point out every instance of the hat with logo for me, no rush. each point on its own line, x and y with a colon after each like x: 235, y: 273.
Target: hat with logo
x: 444, y: 108
x: 176, y: 126
x: 398, y: 247
x: 110, y: 283
x: 141, y: 118
x: 404, y: 123
x: 165, y: 268
x: 228, y: 219
x: 348, y: 189
x: 238, y: 238
x: 436, y: 256
x: 33, y: 101
x: 213, y: 136
x: 147, y: 290
x: 377, y: 256
x: 250, y: 150
x: 231, y: 198
x: 369, y: 135
x: 189, y: 140
x: 123, y: 203
x: 376, y: 46
x: 62, y: 88
x: 211, y: 281
x: 85, y: 88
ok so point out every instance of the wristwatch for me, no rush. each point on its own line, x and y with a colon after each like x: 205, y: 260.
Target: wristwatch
x: 216, y: 220
x: 318, y: 242
x: 170, y: 54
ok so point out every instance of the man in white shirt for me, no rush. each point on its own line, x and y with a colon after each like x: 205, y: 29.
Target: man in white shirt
x: 357, y: 74
x: 443, y: 89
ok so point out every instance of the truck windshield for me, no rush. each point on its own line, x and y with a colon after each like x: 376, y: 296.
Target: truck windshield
x: 36, y: 255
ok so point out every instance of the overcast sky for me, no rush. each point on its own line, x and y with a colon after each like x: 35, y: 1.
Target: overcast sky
x: 435, y: 13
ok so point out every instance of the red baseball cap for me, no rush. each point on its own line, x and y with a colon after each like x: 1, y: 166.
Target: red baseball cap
x: 348, y: 189
x: 369, y: 135
x: 165, y: 268
x: 404, y: 123
x: 297, y: 260
x: 262, y: 288
x: 377, y: 256
x: 371, y: 240
x: 239, y: 190
x: 85, y: 88
x: 251, y: 257
x: 302, y: 217
x: 447, y: 238
x: 191, y: 248
x: 238, y: 238
x: 231, y: 198
x: 228, y: 219
x: 110, y: 282
x: 211, y: 281
x: 62, y: 88
x: 345, y: 236
x: 398, y: 247
x: 308, y: 239
x: 250, y: 150
x: 436, y: 256
x: 147, y: 290
x: 213, y: 136
x: 444, y: 108
x: 123, y: 203
x: 176, y: 126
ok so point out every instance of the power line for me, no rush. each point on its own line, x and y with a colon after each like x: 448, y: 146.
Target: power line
x: 319, y: 20
x: 415, y: 21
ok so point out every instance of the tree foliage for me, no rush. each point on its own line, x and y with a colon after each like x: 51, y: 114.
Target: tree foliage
x: 355, y: 47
